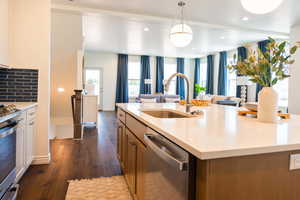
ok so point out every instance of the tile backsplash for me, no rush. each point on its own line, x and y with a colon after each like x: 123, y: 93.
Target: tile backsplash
x: 18, y: 85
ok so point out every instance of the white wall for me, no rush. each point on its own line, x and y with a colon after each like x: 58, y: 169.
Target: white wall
x: 108, y: 62
x: 4, y: 32
x: 294, y: 82
x: 29, y: 47
x: 66, y: 41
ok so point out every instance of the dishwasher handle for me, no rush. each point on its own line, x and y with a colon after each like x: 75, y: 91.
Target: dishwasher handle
x: 181, y: 165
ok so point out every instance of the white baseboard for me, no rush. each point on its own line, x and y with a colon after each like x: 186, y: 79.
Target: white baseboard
x: 41, y: 160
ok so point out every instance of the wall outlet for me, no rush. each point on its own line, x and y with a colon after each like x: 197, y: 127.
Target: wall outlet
x: 295, y: 161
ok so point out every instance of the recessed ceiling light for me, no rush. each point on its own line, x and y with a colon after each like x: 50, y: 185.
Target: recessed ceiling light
x: 245, y: 18
x: 222, y: 37
x: 146, y: 29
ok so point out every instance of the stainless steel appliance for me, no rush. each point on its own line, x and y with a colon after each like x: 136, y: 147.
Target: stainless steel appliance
x: 170, y: 170
x: 8, y: 125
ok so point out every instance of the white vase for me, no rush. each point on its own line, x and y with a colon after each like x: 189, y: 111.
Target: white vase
x: 267, y: 105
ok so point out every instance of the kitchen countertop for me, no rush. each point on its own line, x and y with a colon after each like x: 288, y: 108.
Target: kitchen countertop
x: 220, y: 132
x: 21, y: 105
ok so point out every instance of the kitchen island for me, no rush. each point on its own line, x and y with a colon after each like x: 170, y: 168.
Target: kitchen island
x: 236, y: 157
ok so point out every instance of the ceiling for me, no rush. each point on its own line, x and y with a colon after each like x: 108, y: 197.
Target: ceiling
x: 118, y: 25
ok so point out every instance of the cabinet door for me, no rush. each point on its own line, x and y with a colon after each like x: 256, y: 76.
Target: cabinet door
x: 119, y: 141
x: 29, y: 142
x: 132, y: 162
x: 140, y: 180
x: 124, y: 151
x: 20, y: 156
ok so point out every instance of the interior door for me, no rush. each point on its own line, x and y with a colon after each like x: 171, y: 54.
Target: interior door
x: 94, y: 76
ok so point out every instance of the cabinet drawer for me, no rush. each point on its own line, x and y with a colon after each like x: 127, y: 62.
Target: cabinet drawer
x: 31, y: 114
x: 136, y: 127
x: 22, y: 119
x: 121, y: 115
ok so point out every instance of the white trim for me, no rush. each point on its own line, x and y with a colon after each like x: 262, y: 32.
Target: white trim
x: 41, y: 160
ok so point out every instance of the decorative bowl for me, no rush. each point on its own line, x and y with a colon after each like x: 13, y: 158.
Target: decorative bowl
x: 251, y: 106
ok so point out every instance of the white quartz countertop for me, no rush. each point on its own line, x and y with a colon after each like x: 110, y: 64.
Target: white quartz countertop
x: 21, y: 105
x: 220, y: 132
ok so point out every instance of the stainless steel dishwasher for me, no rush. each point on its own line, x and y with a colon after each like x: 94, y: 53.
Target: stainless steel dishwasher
x: 169, y: 170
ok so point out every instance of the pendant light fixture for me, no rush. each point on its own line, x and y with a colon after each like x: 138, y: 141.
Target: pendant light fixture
x: 181, y: 34
x: 261, y: 6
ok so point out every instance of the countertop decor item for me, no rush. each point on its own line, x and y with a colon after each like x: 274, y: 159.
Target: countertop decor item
x: 251, y: 106
x: 200, y: 91
x: 267, y: 69
x: 243, y: 81
x: 196, y: 102
x: 253, y: 113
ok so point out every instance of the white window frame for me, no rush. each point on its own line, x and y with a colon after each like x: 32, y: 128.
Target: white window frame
x: 231, y: 75
x: 170, y: 62
x: 137, y: 61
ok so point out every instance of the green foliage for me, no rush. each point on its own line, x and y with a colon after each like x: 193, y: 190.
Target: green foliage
x: 199, y: 89
x: 267, y: 68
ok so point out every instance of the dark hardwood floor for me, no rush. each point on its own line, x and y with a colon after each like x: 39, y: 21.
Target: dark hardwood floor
x: 93, y: 157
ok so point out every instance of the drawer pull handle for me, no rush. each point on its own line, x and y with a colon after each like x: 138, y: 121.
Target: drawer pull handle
x: 31, y: 113
x: 32, y: 123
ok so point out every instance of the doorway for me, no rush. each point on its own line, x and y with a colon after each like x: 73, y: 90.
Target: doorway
x: 93, y: 81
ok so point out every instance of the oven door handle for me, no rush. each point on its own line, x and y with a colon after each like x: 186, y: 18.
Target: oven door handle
x: 9, y: 131
x: 181, y: 165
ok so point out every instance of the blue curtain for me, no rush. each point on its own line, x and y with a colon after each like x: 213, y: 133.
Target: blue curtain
x: 179, y: 81
x: 159, y: 75
x: 242, y: 55
x: 210, y: 75
x: 222, y: 78
x: 262, y: 45
x: 145, y: 74
x: 122, y: 79
x: 197, y: 75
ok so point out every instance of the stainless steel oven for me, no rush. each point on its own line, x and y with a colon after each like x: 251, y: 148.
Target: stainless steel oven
x: 170, y: 170
x: 8, y: 190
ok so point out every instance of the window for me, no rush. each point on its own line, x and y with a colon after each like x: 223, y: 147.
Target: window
x: 203, y: 72
x: 282, y: 88
x: 231, y: 75
x: 170, y: 67
x: 134, y: 73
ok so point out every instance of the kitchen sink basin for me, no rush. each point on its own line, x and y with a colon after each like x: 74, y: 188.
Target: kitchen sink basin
x: 166, y: 114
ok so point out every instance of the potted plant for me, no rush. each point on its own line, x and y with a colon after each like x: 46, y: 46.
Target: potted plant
x: 267, y: 69
x: 200, y: 91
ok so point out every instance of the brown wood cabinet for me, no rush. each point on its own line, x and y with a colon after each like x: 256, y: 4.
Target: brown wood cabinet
x: 253, y: 177
x: 120, y: 143
x: 130, y: 152
x: 131, y: 161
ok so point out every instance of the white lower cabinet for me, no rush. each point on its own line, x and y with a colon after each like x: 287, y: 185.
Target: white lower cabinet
x: 25, y: 136
x: 20, y: 159
x: 29, y: 143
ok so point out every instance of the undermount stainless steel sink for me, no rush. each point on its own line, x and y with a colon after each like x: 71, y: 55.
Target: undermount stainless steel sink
x: 166, y: 114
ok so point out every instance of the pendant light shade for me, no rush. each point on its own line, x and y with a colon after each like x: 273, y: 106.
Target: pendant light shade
x: 181, y: 35
x: 260, y: 6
